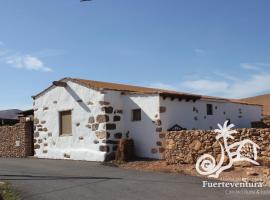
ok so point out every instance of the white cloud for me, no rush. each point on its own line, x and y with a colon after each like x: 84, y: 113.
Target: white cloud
x: 256, y: 84
x: 249, y: 66
x: 206, y: 86
x: 254, y: 66
x: 200, y: 51
x: 27, y: 62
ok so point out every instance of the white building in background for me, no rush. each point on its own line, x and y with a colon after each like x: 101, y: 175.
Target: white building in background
x: 83, y: 120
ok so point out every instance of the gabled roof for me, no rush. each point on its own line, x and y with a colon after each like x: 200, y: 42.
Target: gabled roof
x: 99, y: 85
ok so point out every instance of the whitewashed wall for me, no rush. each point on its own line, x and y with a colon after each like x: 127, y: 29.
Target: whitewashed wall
x: 80, y: 145
x: 143, y: 132
x: 84, y: 144
x: 193, y: 115
x: 115, y: 100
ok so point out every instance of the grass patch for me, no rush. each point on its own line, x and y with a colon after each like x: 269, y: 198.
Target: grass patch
x: 6, y: 193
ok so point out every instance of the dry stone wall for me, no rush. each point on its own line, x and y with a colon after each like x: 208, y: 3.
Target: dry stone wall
x: 184, y: 147
x: 16, y: 141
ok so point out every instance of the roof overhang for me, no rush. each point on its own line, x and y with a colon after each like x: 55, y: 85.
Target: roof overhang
x: 180, y: 96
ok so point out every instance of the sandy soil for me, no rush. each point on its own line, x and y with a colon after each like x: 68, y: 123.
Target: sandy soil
x: 244, y: 173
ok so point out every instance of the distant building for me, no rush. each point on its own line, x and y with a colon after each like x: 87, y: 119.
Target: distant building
x: 9, y: 117
x: 83, y: 120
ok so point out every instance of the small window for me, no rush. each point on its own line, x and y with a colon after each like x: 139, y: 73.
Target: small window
x: 136, y: 115
x: 65, y: 123
x: 209, y: 108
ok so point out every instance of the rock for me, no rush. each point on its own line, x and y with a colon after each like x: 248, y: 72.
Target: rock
x: 195, y: 145
x: 104, y: 148
x: 251, y: 172
x: 118, y: 135
x: 104, y: 103
x: 88, y: 126
x: 226, y: 159
x: 119, y: 111
x: 110, y: 126
x: 116, y: 118
x: 36, y: 134
x: 110, y: 142
x: 90, y: 103
x: 36, y: 121
x: 102, y: 118
x: 154, y: 150
x: 159, y: 143
x: 266, y: 172
x: 66, y: 155
x: 91, y: 120
x: 170, y: 144
x: 94, y: 127
x: 107, y: 110
x: 161, y: 150
x: 162, y: 109
x: 264, y: 161
x: 189, y: 159
x: 101, y: 134
x: 45, y: 108
x: 162, y: 135
x: 158, y: 129
x: 158, y: 122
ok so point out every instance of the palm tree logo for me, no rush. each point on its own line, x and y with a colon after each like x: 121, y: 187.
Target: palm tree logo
x: 206, y: 164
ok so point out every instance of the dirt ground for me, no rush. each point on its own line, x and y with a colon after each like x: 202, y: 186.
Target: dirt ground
x: 241, y: 172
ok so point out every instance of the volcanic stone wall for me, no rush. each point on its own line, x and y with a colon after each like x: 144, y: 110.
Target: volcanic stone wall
x: 16, y: 141
x: 184, y: 147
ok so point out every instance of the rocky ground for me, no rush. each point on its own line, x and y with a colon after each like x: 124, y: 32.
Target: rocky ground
x: 239, y: 172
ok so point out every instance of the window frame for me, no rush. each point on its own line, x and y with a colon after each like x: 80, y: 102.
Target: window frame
x: 61, y: 122
x: 135, y: 119
x: 209, y: 109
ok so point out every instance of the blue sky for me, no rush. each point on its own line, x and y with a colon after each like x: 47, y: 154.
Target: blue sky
x: 211, y: 47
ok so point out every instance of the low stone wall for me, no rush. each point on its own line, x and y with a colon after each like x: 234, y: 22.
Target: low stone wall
x: 184, y: 147
x: 16, y: 141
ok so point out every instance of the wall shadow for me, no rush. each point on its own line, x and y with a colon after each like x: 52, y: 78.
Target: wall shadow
x: 77, y: 98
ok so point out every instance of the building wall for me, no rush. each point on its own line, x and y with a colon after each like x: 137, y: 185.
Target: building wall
x: 143, y: 132
x: 193, y: 115
x: 85, y: 143
x: 16, y: 140
x: 101, y: 118
x: 115, y: 124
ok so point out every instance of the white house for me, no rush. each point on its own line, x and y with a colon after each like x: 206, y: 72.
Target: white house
x: 83, y: 120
